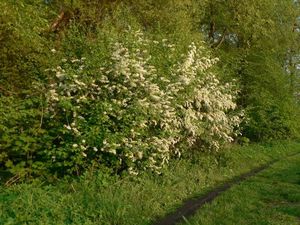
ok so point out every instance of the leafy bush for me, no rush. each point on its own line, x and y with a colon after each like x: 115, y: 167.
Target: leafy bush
x: 139, y: 105
x: 130, y: 116
x: 22, y: 136
x: 270, y: 122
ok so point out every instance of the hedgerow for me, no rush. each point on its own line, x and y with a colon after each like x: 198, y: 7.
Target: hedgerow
x: 130, y: 116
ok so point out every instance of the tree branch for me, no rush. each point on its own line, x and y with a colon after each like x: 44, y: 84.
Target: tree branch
x: 221, y: 40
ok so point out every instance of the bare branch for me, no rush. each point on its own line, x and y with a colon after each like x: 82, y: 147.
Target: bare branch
x: 221, y: 40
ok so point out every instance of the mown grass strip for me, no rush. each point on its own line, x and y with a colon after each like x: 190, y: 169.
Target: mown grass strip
x: 191, y: 206
x: 270, y: 197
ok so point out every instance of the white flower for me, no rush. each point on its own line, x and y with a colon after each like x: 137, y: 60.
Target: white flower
x: 183, y: 106
x: 75, y: 60
x: 68, y: 127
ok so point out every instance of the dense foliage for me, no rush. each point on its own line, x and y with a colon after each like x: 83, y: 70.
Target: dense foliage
x: 130, y: 114
x: 258, y: 43
x: 130, y: 84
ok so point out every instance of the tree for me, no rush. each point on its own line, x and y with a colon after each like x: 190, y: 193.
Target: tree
x: 258, y: 41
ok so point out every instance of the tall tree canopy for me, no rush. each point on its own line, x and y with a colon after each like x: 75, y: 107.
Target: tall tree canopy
x: 258, y: 43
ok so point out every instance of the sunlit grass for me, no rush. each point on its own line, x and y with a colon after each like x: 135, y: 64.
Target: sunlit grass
x: 271, y: 197
x: 99, y: 199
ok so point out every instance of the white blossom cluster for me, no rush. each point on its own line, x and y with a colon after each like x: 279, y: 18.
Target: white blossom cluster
x: 143, y: 115
x: 208, y: 107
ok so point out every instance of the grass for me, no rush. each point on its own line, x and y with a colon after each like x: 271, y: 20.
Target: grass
x: 271, y: 197
x: 100, y: 199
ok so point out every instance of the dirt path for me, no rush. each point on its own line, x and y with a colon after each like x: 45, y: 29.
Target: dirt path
x: 190, y: 206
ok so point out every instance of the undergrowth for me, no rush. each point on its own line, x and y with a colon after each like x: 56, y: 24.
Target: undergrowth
x: 102, y: 199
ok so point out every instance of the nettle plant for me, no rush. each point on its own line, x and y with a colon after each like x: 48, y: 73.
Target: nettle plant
x: 129, y: 116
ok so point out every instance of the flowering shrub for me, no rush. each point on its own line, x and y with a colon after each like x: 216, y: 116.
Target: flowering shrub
x: 130, y: 116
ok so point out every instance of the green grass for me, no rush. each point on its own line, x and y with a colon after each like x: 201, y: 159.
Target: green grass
x: 99, y: 199
x: 271, y: 197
